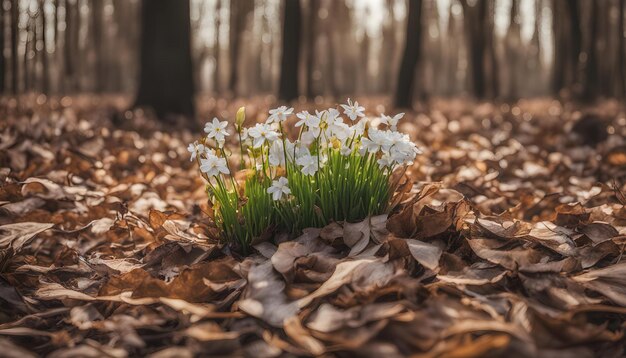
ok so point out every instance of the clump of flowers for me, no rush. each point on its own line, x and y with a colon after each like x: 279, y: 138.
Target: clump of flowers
x: 332, y: 171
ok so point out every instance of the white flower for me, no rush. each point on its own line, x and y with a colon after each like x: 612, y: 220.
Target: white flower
x: 213, y: 166
x: 244, y: 134
x: 277, y: 154
x: 404, y: 151
x: 385, y: 161
x: 345, y: 150
x: 216, y: 130
x: 278, y: 188
x: 208, y: 151
x: 359, y: 128
x: 195, y: 148
x: 377, y: 140
x: 308, y: 137
x: 333, y: 116
x: 391, y: 122
x: 309, y: 164
x: 262, y: 132
x: 307, y: 118
x: 279, y: 114
x: 353, y: 110
x: 339, y: 130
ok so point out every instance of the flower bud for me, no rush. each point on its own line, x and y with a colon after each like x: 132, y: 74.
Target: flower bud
x: 240, y: 117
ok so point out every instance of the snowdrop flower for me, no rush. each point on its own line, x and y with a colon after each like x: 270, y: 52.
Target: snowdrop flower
x: 208, y: 151
x: 280, y: 114
x: 385, y: 161
x: 262, y: 132
x: 195, y: 148
x: 345, y: 150
x: 278, y: 188
x: 359, y: 128
x: 308, y: 163
x: 213, y: 166
x: 333, y: 116
x: 339, y: 130
x: 308, y: 119
x: 391, y: 122
x: 244, y: 134
x: 404, y: 152
x: 308, y: 137
x: 277, y: 154
x: 353, y: 110
x: 216, y: 130
x: 327, y: 117
x: 376, y: 141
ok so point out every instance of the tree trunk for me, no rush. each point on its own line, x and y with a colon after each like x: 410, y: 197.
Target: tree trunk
x: 314, y: 6
x: 45, y: 81
x: 621, y: 61
x: 25, y: 63
x: 491, y: 49
x: 239, y: 10
x: 406, y: 77
x: 166, y: 80
x: 98, y: 43
x: 217, y: 49
x: 590, y: 90
x: 575, y: 36
x: 514, y: 52
x: 288, y: 86
x: 2, y: 62
x: 15, y: 14
x: 475, y: 17
x: 71, y: 46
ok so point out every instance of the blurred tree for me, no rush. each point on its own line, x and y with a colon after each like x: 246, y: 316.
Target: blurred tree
x: 513, y: 43
x: 166, y: 81
x: 288, y: 86
x: 479, y: 32
x: 2, y: 61
x: 311, y: 35
x: 590, y: 86
x: 97, y: 8
x: 567, y: 39
x: 70, y: 46
x: 217, y: 49
x: 239, y: 10
x: 15, y: 17
x: 406, y: 77
x: 621, y: 61
x: 45, y: 77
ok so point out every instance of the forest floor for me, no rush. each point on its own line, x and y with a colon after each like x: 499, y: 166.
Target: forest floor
x: 510, y: 242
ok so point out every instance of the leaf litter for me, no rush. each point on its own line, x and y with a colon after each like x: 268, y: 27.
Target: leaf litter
x: 507, y: 238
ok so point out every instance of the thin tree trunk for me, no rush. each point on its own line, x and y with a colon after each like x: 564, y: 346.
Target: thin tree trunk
x: 475, y: 17
x: 514, y: 53
x: 98, y: 43
x: 15, y: 14
x: 45, y: 82
x: 217, y: 49
x: 238, y: 13
x: 166, y: 80
x: 311, y: 35
x: 621, y: 61
x: 2, y: 61
x: 405, y: 84
x: 68, y: 67
x: 575, y: 36
x: 27, y: 44
x: 490, y: 47
x: 288, y: 86
x: 331, y: 33
x: 591, y: 70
